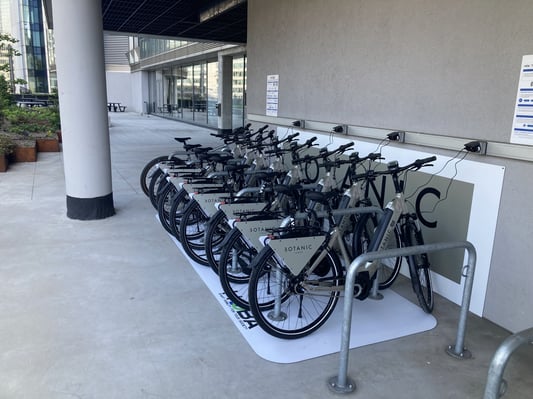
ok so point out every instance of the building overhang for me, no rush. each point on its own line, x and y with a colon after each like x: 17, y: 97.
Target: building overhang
x: 197, y: 20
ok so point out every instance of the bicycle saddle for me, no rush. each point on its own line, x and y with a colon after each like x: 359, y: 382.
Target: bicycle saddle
x: 320, y: 197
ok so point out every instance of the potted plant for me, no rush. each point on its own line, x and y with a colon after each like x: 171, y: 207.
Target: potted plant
x: 38, y: 124
x: 46, y: 141
x: 25, y: 148
x: 6, y: 148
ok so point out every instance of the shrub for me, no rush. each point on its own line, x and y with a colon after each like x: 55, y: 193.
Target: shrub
x: 7, y: 146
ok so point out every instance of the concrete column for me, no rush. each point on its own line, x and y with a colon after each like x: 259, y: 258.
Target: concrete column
x: 79, y: 49
x: 225, y: 73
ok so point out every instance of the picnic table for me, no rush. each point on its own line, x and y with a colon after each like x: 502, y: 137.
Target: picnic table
x: 112, y: 106
x: 31, y: 104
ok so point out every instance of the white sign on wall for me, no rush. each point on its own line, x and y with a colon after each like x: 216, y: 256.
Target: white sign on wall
x: 272, y: 94
x: 523, y: 115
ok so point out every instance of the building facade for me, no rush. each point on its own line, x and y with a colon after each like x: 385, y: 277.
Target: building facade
x: 183, y: 80
x: 24, y: 20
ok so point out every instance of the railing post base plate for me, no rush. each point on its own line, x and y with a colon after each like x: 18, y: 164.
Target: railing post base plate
x: 465, y: 354
x: 376, y: 297
x: 333, y: 387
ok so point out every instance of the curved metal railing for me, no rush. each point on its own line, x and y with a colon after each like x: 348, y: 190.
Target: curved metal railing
x: 496, y: 385
x: 341, y: 383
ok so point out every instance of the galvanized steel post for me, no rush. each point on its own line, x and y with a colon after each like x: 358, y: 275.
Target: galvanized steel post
x: 496, y: 385
x: 341, y: 383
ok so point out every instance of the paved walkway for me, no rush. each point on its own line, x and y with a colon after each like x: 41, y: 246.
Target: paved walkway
x: 109, y: 309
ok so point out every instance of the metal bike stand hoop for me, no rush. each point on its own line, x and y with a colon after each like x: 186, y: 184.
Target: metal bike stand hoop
x: 496, y: 385
x: 341, y: 383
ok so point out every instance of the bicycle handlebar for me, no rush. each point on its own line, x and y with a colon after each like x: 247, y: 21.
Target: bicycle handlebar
x: 417, y: 164
x: 262, y: 129
x: 394, y: 169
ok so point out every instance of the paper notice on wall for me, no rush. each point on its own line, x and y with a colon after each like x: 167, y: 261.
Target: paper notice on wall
x: 523, y: 115
x: 272, y: 95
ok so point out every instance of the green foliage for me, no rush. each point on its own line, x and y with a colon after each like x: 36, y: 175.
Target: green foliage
x: 7, y: 49
x: 24, y: 121
x: 7, y: 146
x: 5, y: 93
x: 31, y: 120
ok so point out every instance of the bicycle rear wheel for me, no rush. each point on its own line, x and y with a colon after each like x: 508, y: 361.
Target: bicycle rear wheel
x: 419, y: 267
x: 389, y: 268
x: 299, y: 305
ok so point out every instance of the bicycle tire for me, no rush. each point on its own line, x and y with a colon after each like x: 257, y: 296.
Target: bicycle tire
x: 311, y: 170
x: 179, y: 203
x: 419, y: 268
x: 235, y: 267
x: 150, y: 168
x: 294, y: 320
x: 216, y: 231
x: 164, y: 204
x: 389, y: 268
x: 157, y: 181
x: 192, y: 230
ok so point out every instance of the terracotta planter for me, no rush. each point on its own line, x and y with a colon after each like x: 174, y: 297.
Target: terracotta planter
x: 3, y: 162
x: 25, y: 154
x: 47, y: 145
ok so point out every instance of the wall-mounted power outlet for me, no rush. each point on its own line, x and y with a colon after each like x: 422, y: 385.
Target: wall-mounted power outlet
x: 341, y: 129
x: 477, y: 147
x: 398, y: 136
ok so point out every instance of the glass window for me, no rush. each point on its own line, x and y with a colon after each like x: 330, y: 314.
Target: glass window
x: 200, y: 93
x: 239, y: 91
x: 212, y: 93
x: 187, y: 93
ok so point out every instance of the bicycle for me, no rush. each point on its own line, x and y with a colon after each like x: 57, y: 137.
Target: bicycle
x: 196, y: 217
x: 296, y: 282
x: 242, y: 246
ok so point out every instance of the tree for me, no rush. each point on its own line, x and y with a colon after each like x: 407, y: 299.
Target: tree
x: 7, y: 88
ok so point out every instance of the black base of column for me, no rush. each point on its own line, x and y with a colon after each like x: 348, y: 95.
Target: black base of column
x: 224, y: 131
x: 90, y: 208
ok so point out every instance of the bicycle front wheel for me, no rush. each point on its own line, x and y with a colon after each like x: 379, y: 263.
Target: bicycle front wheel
x: 419, y: 268
x: 148, y: 170
x: 217, y: 229
x: 235, y: 267
x: 157, y: 182
x: 164, y: 203
x: 192, y: 228
x: 298, y: 305
x: 179, y: 203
